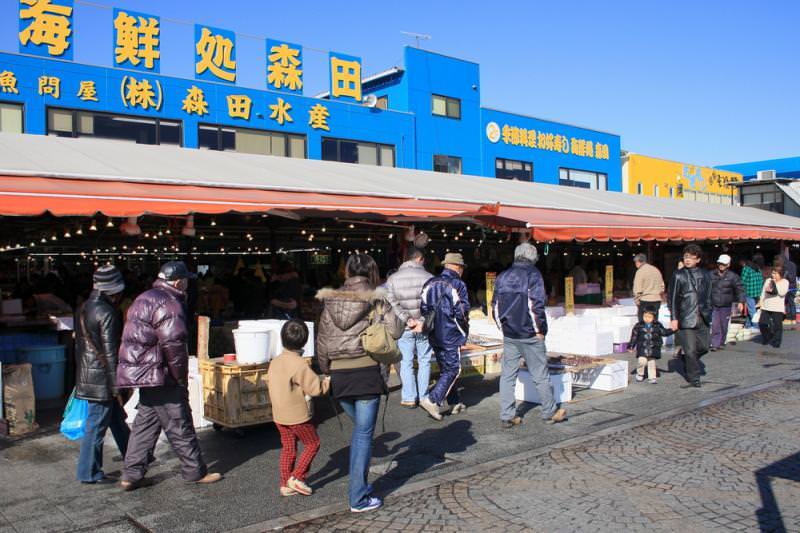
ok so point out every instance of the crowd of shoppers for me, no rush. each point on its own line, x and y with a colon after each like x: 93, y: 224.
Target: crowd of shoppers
x: 423, y: 314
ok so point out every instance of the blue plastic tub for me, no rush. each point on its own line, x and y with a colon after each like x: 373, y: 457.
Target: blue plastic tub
x: 48, y: 364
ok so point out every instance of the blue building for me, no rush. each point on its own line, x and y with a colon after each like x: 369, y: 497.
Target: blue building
x: 788, y: 167
x: 426, y: 114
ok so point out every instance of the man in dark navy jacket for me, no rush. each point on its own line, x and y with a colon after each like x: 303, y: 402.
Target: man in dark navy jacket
x: 518, y: 304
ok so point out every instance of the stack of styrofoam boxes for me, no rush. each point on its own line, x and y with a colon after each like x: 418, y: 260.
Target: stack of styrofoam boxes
x: 609, y: 377
x: 665, y: 318
x: 525, y: 389
x: 579, y: 335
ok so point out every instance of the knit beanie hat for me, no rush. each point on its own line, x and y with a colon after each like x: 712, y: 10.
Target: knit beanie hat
x: 108, y: 280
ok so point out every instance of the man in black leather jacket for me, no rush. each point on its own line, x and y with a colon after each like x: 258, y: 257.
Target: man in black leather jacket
x: 689, y: 301
x: 98, y: 331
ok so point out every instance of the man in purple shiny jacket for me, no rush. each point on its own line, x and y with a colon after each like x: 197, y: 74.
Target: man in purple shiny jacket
x: 154, y: 358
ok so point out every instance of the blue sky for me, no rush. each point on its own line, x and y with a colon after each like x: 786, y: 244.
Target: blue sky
x: 705, y: 82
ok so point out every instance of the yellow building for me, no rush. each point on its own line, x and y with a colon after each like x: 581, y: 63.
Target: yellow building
x: 651, y: 176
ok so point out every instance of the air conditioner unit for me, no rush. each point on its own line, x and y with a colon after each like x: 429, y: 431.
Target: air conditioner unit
x: 765, y: 175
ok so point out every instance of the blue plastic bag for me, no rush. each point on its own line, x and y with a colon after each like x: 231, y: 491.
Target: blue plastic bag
x: 75, y: 415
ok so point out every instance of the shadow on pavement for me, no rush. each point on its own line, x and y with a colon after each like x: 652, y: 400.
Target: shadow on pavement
x: 769, y: 515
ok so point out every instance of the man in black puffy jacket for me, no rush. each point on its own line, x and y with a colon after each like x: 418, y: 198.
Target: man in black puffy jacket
x: 518, y: 304
x: 726, y: 289
x: 689, y: 301
x: 98, y: 330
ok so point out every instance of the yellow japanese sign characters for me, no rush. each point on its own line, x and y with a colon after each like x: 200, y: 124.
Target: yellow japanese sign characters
x: 543, y: 140
x: 651, y: 176
x: 215, y: 54
x: 318, y: 117
x: 137, y: 40
x: 141, y: 93
x: 45, y: 27
x: 345, y: 77
x: 195, y: 102
x: 284, y: 66
x: 8, y: 82
x: 50, y: 85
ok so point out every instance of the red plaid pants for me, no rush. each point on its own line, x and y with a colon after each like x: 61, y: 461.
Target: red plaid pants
x: 305, y: 433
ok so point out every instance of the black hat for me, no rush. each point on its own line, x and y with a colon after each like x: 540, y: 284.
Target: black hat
x: 175, y: 270
x: 108, y: 279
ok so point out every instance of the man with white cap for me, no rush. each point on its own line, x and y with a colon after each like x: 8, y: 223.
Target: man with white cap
x: 98, y: 331
x: 726, y: 289
x: 445, y: 300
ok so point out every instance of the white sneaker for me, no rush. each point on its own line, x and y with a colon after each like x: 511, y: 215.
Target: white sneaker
x: 458, y: 408
x: 372, y: 504
x: 431, y: 408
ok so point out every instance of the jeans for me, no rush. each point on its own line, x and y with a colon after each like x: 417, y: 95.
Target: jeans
x: 720, y: 319
x: 791, y: 310
x: 409, y: 344
x: 101, y: 417
x: 535, y: 355
x: 751, y: 311
x: 164, y: 408
x: 694, y: 343
x: 449, y: 360
x: 648, y: 306
x: 364, y: 414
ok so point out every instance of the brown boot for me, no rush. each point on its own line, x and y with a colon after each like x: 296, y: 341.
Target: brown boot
x: 558, y: 416
x: 128, y: 486
x: 208, y: 479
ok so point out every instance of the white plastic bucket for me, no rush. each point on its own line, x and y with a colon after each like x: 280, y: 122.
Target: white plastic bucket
x: 252, y: 346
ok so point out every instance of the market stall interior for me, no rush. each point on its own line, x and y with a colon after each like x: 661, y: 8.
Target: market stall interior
x: 263, y: 230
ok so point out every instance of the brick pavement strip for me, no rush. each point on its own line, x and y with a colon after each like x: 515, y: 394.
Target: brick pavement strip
x: 733, y: 465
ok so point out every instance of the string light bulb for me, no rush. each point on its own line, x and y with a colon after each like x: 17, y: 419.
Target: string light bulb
x: 110, y: 223
x: 93, y: 227
x: 79, y: 231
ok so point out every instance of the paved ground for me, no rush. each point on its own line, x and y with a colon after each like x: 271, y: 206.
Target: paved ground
x: 37, y: 491
x: 731, y: 466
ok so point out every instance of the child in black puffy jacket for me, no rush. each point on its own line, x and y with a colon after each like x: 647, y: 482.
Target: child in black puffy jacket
x: 647, y: 338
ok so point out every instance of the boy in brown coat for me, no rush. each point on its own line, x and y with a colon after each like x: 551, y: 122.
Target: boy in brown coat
x: 290, y: 380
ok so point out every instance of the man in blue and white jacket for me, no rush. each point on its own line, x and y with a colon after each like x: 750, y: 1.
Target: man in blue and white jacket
x: 446, y: 295
x: 518, y: 306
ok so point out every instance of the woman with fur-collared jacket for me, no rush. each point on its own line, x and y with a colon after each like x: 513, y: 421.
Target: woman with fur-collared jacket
x: 356, y: 379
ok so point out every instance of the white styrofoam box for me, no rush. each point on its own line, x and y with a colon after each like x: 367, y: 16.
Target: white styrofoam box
x: 553, y: 312
x: 196, y: 401
x: 622, y: 333
x: 626, y: 310
x: 485, y: 328
x: 626, y: 301
x: 582, y: 323
x: 525, y: 389
x: 609, y: 377
x: 629, y: 321
x: 275, y: 325
x: 594, y: 310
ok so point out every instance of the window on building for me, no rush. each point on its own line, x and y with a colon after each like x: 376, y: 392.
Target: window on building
x: 638, y: 188
x: 10, y: 118
x: 509, y: 169
x: 141, y: 130
x: 249, y: 141
x: 655, y: 190
x: 585, y: 179
x: 447, y: 163
x: 445, y: 106
x: 383, y: 102
x: 363, y: 153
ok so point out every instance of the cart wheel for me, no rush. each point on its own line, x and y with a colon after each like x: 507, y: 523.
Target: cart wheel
x: 217, y: 427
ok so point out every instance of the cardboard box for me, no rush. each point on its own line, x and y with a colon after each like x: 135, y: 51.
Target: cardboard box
x: 525, y: 389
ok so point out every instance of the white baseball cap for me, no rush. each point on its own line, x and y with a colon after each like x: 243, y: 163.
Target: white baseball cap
x: 724, y: 259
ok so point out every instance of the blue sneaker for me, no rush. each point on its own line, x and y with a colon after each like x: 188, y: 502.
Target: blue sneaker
x: 371, y: 505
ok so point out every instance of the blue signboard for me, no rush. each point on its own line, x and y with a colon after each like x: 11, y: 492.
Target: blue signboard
x: 284, y: 66
x: 345, y: 77
x: 215, y: 54
x: 137, y: 41
x: 45, y: 28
